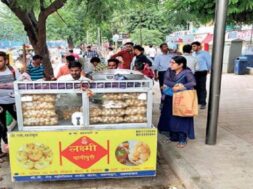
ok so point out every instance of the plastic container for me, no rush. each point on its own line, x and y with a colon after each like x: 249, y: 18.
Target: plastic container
x: 241, y: 64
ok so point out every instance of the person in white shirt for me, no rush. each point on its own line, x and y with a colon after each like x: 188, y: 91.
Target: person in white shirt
x: 192, y: 61
x: 75, y: 73
x: 151, y: 52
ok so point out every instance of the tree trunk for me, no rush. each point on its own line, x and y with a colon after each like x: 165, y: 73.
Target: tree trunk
x: 36, y: 28
x: 70, y: 42
x: 37, y: 36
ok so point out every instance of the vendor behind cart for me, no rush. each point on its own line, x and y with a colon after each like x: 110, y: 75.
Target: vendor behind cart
x: 112, y: 63
x: 75, y: 74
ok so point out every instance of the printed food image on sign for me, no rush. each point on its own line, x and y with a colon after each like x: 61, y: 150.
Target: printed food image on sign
x: 34, y: 156
x: 132, y: 153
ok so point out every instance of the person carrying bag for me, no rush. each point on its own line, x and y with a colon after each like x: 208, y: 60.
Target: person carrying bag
x: 179, y: 102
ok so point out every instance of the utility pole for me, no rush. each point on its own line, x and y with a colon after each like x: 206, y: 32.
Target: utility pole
x: 217, y: 62
x: 251, y: 34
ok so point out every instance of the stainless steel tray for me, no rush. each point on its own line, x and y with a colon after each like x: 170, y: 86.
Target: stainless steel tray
x: 116, y: 74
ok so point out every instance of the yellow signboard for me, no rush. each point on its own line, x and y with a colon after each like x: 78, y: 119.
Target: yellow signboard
x: 82, y: 154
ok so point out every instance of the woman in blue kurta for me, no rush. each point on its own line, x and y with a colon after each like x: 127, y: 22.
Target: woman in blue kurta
x: 177, y: 78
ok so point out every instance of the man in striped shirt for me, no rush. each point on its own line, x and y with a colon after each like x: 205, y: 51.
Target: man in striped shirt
x: 35, y: 69
x: 7, y: 101
x: 97, y: 65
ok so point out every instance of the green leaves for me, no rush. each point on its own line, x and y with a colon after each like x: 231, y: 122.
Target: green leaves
x: 239, y: 11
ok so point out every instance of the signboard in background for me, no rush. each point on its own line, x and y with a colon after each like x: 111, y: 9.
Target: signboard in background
x: 188, y: 39
x: 171, y: 41
x: 245, y: 35
x: 86, y: 154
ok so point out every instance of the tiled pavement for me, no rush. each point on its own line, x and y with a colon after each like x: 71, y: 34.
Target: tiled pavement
x: 229, y: 163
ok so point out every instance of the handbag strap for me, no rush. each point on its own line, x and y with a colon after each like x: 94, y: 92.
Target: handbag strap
x: 180, y: 79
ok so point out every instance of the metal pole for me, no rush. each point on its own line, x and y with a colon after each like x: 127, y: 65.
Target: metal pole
x: 251, y: 34
x: 217, y: 61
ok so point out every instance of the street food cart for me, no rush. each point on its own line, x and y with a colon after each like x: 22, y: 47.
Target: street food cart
x: 63, y: 134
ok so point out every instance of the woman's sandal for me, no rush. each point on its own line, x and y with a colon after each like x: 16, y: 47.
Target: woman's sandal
x: 181, y: 144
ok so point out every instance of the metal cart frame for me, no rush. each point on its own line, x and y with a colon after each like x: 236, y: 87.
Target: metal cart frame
x: 102, y: 86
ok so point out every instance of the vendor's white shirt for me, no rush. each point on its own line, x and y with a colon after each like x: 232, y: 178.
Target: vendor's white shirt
x: 70, y: 78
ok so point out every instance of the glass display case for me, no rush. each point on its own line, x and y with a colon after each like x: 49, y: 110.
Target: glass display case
x: 65, y: 105
x: 122, y: 109
x: 50, y: 105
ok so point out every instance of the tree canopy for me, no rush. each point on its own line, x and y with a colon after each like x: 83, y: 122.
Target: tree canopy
x: 239, y: 11
x: 78, y: 20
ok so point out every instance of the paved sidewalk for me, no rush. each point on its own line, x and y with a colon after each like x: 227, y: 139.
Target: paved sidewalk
x: 228, y: 164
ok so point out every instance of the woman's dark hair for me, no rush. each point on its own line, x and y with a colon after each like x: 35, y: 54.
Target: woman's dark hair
x: 95, y: 59
x: 187, y: 48
x: 180, y: 60
x: 138, y: 47
x: 75, y: 64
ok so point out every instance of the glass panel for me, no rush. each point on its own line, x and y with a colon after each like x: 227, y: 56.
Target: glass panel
x: 114, y: 108
x: 52, y: 109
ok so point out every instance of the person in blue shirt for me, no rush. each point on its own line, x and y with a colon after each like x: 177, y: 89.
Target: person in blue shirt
x: 161, y: 63
x: 202, y: 69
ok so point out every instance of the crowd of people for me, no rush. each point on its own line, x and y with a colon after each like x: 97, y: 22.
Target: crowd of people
x: 176, y: 71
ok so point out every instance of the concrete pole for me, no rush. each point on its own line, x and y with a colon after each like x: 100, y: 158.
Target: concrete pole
x: 251, y: 34
x: 217, y: 61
